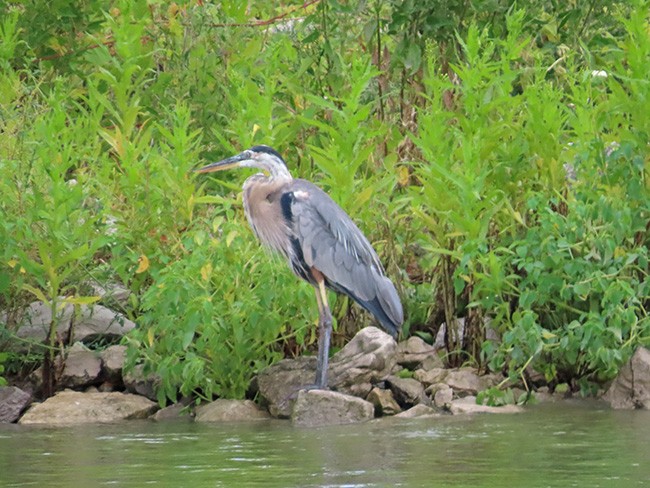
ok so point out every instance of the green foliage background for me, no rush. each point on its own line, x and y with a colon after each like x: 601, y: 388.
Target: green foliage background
x: 496, y: 155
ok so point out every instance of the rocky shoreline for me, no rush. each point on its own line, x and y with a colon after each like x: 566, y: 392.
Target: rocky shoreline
x: 372, y: 376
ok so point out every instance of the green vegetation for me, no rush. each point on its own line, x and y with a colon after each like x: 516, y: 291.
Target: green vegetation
x: 495, y: 154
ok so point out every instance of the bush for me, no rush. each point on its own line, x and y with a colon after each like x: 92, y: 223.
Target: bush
x: 474, y: 147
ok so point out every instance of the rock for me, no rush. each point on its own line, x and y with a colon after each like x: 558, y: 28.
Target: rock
x: 177, y: 411
x: 96, y: 321
x: 112, y: 363
x: 72, y: 407
x: 135, y: 381
x: 90, y: 323
x: 465, y: 381
x: 631, y: 388
x: 432, y: 362
x: 407, y: 391
x: 419, y: 410
x: 442, y: 395
x: 414, y: 351
x: 82, y: 367
x: 12, y: 402
x: 367, y: 359
x: 383, y: 401
x: 111, y: 293
x: 430, y: 377
x: 35, y: 321
x: 223, y: 410
x: 107, y: 386
x: 323, y: 407
x: 279, y: 384
x: 468, y: 405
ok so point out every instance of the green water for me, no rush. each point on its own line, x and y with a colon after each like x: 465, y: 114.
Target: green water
x: 574, y: 444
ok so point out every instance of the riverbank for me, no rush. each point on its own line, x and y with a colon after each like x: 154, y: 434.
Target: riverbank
x: 372, y: 376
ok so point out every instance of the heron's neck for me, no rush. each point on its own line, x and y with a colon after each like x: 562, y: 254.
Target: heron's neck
x: 278, y: 172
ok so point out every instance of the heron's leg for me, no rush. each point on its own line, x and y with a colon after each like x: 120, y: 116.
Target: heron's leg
x: 324, y: 335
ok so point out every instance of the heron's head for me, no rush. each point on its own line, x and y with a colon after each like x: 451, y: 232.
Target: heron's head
x: 261, y: 157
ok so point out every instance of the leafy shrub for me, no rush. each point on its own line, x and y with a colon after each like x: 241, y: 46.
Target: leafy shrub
x: 451, y: 134
x: 210, y: 317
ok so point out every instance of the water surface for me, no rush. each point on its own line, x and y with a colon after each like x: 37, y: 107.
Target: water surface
x: 561, y: 445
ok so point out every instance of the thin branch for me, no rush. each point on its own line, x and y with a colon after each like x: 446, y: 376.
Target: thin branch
x: 272, y: 20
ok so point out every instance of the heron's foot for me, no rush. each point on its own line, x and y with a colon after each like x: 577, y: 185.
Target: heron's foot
x: 314, y: 386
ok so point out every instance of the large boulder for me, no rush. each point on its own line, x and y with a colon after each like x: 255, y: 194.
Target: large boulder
x: 420, y: 410
x: 366, y: 360
x: 465, y: 381
x: 631, y: 389
x: 111, y: 293
x: 176, y: 412
x: 87, y: 323
x: 82, y: 367
x: 407, y: 391
x: 279, y: 384
x: 224, y: 410
x: 94, y: 322
x: 72, y: 407
x: 414, y: 352
x: 323, y: 407
x: 384, y: 402
x: 136, y: 381
x: 468, y: 405
x: 113, y: 362
x: 442, y: 395
x: 431, y: 376
x: 34, y: 322
x: 12, y: 402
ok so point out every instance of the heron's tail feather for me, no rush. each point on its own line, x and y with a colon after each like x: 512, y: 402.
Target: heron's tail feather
x: 385, y: 306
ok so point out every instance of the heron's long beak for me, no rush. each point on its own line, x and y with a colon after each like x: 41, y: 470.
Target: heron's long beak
x: 228, y: 163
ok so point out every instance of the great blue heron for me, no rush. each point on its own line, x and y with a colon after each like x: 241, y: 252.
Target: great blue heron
x: 321, y: 243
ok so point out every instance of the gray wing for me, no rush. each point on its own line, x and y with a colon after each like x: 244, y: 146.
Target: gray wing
x: 333, y: 244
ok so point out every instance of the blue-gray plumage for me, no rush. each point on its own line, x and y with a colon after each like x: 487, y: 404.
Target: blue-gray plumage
x: 321, y: 243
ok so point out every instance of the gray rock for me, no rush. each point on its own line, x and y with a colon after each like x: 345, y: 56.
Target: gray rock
x: 468, y: 405
x: 419, y: 410
x: 223, y: 410
x: 91, y: 322
x: 544, y: 395
x: 631, y: 388
x: 432, y: 362
x: 35, y: 321
x: 112, y: 363
x: 72, y: 407
x: 407, y: 391
x: 414, y: 351
x: 96, y: 321
x: 111, y: 292
x: 82, y: 367
x: 135, y: 381
x: 279, y: 384
x: 383, y: 401
x: 322, y: 407
x: 442, y: 395
x: 177, y: 411
x: 431, y: 376
x: 367, y: 359
x: 465, y: 381
x: 12, y: 402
